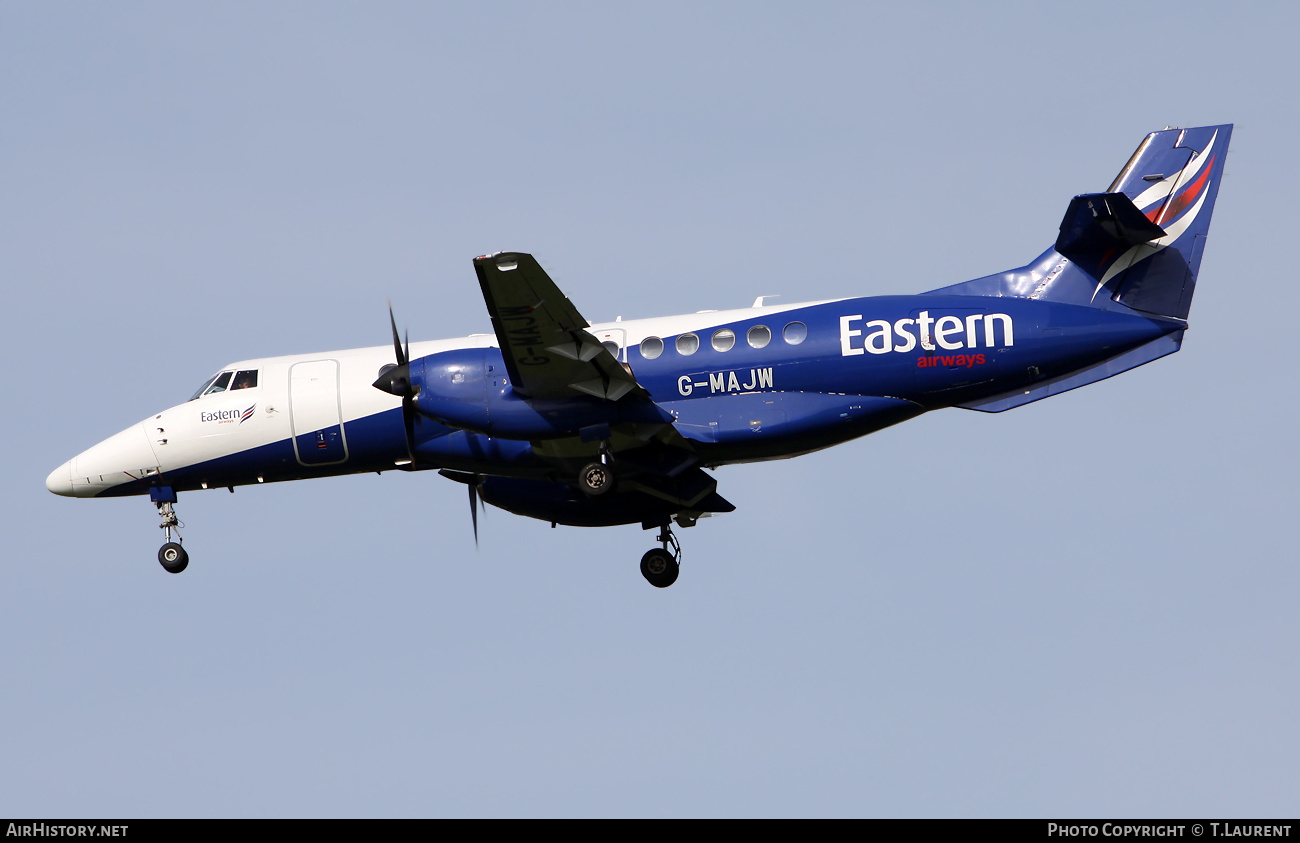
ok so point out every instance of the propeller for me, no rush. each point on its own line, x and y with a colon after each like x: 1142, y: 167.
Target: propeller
x: 474, y: 504
x: 397, y: 381
x: 476, y: 501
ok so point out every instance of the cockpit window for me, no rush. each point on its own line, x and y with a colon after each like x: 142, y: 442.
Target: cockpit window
x: 207, y: 383
x: 245, y: 379
x: 221, y: 383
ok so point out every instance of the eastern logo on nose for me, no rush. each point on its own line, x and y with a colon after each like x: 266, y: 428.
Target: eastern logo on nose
x: 228, y: 416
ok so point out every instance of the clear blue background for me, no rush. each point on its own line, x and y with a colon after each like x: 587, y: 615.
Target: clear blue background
x: 1084, y: 607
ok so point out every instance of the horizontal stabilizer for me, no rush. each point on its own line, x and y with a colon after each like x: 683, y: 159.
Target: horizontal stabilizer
x: 1099, y: 226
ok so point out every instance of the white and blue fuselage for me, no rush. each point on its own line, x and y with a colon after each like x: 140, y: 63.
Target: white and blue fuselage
x: 592, y: 425
x: 742, y: 385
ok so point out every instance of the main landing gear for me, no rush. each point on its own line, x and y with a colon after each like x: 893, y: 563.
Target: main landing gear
x: 660, y: 565
x: 171, y: 555
x: 597, y: 478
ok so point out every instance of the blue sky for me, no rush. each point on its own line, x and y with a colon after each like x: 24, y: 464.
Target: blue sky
x: 1083, y: 607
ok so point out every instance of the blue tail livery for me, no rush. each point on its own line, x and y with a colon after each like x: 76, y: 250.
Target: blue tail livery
x: 554, y: 418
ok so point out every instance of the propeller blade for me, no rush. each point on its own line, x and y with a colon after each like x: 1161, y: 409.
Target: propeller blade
x: 408, y: 425
x: 402, y: 358
x: 473, y: 506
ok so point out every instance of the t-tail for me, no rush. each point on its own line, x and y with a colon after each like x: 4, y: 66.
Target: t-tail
x: 1137, y: 246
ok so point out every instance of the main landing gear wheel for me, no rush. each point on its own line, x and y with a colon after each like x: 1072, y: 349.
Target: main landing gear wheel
x: 596, y: 479
x: 659, y: 568
x: 173, y: 557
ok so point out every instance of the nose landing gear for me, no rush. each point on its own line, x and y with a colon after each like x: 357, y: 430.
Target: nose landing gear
x: 171, y: 555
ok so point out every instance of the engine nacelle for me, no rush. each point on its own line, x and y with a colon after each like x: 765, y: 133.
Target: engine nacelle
x: 452, y: 388
x: 470, y: 389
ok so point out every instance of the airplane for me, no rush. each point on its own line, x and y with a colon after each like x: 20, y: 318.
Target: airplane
x: 556, y: 419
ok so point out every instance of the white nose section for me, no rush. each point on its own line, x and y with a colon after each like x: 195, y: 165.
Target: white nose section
x: 117, y: 460
x: 60, y: 480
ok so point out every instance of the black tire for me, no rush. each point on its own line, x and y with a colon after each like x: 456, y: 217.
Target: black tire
x: 173, y: 558
x: 659, y: 568
x: 596, y: 479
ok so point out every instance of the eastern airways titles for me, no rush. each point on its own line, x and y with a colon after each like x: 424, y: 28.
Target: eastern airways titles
x: 948, y: 332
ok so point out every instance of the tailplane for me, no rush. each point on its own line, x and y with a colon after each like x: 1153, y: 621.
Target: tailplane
x: 1139, y: 244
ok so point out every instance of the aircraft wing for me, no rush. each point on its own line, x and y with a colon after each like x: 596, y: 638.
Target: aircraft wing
x: 550, y: 354
x: 547, y: 349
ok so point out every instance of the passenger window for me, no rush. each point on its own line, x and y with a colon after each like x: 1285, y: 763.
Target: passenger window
x: 795, y: 333
x: 651, y: 347
x: 220, y: 384
x: 759, y: 336
x: 611, y: 347
x: 246, y: 379
x: 723, y: 339
x: 687, y: 344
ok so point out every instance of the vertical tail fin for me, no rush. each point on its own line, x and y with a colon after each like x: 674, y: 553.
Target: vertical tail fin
x: 1173, y: 179
x: 1139, y: 244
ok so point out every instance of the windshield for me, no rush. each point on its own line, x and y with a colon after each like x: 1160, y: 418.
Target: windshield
x: 220, y: 382
x: 207, y: 383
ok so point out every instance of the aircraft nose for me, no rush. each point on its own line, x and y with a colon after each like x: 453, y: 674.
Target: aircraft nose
x: 60, y: 480
x: 118, y: 459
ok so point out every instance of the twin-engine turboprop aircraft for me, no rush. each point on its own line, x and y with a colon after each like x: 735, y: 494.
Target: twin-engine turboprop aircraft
x: 595, y: 425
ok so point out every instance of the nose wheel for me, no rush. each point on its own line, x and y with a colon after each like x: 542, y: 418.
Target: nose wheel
x: 171, y: 555
x: 660, y: 566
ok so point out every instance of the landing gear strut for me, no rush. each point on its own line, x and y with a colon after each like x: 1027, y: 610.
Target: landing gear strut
x: 660, y: 566
x: 171, y: 555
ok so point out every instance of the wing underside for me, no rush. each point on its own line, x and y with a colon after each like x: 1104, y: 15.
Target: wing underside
x: 550, y: 354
